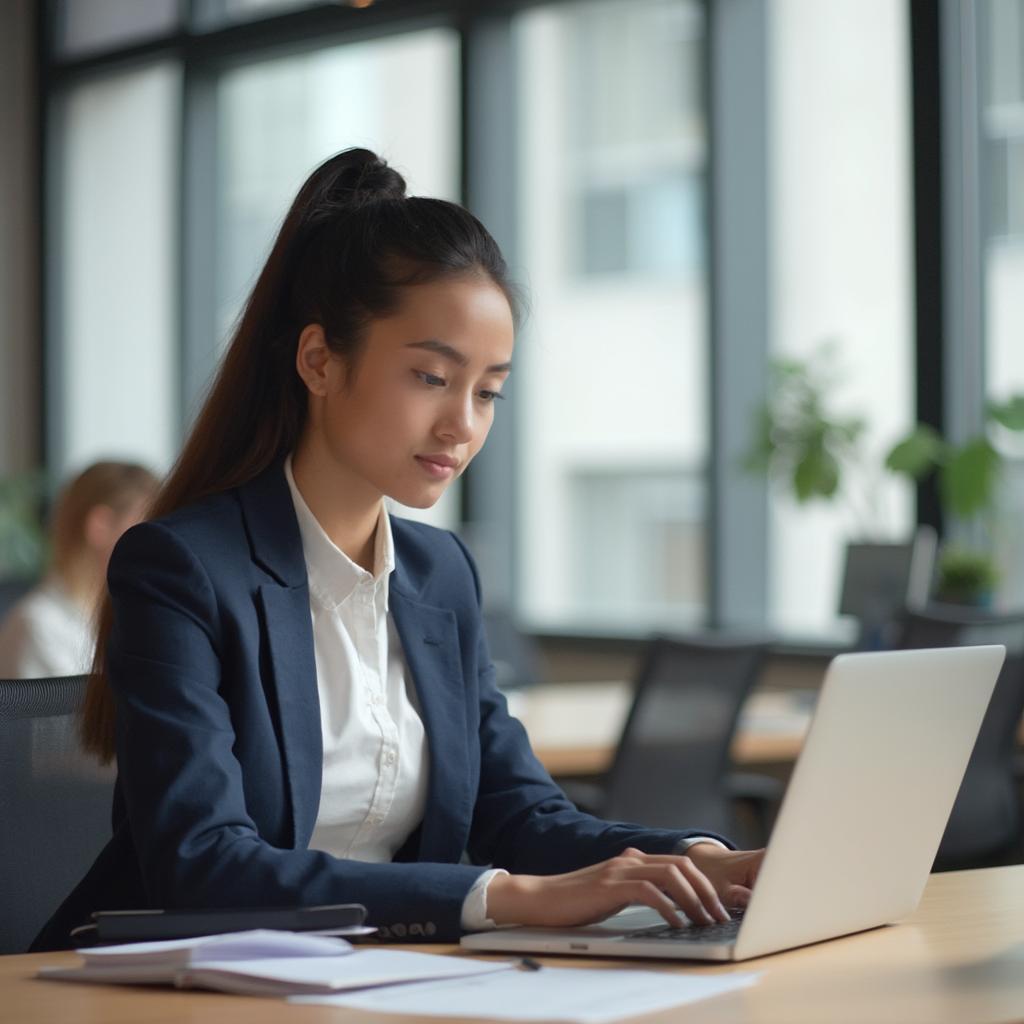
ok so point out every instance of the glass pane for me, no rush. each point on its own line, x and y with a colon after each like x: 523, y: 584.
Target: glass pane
x: 613, y: 430
x: 841, y: 271
x: 211, y: 14
x: 279, y: 119
x: 1003, y: 125
x: 116, y: 269
x: 87, y: 26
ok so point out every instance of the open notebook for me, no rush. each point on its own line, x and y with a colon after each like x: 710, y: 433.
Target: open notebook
x: 263, y: 962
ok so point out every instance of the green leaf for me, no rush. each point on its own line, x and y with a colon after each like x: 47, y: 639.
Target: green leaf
x: 816, y: 475
x: 1009, y: 414
x: 918, y: 453
x: 969, y: 478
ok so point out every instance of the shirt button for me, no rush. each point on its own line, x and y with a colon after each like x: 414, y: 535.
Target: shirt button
x: 389, y: 757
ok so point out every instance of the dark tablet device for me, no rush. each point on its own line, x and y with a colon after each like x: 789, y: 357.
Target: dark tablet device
x: 152, y: 925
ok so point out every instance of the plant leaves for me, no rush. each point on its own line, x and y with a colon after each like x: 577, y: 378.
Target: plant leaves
x: 1009, y: 414
x: 969, y: 478
x: 815, y: 475
x: 918, y: 453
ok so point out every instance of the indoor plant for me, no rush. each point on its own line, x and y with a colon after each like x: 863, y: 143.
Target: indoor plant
x: 802, y: 443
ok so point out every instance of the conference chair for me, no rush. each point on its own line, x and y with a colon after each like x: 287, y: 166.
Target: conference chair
x: 880, y: 580
x: 985, y: 826
x: 55, y: 803
x: 672, y: 767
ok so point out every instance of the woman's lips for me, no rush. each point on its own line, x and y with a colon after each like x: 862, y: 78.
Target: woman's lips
x: 440, y: 467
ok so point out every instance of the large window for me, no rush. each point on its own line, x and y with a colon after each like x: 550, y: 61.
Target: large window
x: 611, y: 370
x: 840, y: 266
x: 113, y: 382
x: 1002, y: 127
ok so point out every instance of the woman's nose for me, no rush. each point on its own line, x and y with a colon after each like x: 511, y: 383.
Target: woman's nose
x: 457, y: 421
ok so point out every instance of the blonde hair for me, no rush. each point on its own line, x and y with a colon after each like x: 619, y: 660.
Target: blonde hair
x: 115, y: 484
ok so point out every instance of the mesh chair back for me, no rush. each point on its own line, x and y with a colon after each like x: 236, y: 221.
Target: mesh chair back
x: 673, y: 756
x: 55, y: 803
x: 985, y: 824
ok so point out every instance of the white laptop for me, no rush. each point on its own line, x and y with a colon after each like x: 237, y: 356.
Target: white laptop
x: 859, y: 826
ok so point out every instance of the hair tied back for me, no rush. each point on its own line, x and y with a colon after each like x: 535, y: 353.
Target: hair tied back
x: 353, y: 178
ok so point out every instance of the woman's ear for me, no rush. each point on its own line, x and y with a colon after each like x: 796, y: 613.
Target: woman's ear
x: 313, y: 358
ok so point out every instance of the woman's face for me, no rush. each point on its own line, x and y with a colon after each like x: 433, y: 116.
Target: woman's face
x: 411, y: 413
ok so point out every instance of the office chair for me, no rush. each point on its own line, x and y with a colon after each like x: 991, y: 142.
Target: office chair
x: 55, y: 803
x: 985, y: 826
x: 672, y: 767
x: 880, y: 580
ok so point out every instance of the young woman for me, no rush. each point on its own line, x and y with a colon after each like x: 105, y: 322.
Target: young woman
x: 297, y: 686
x: 49, y: 632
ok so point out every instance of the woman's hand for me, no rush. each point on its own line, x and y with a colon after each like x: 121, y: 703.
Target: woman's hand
x: 695, y: 883
x: 731, y: 872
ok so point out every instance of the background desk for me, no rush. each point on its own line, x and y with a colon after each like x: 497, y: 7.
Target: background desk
x: 574, y: 727
x: 959, y: 958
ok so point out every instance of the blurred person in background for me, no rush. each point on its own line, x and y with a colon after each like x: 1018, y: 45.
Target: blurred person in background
x: 50, y: 631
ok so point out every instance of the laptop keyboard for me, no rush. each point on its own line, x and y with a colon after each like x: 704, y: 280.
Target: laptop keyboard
x: 720, y: 931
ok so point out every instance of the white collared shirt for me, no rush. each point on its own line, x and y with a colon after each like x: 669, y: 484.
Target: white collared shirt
x: 375, y: 770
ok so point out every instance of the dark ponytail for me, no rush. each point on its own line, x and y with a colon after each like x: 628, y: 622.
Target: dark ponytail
x: 350, y: 243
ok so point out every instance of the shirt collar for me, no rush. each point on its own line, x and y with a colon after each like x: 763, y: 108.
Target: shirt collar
x: 332, y: 574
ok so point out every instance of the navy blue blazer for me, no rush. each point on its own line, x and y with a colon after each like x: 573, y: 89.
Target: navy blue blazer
x: 218, y: 732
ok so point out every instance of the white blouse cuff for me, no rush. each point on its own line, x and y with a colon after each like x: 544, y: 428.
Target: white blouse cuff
x: 474, y: 906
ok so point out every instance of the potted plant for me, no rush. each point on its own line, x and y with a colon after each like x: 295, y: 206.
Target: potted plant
x: 802, y: 443
x: 966, y: 576
x: 968, y: 477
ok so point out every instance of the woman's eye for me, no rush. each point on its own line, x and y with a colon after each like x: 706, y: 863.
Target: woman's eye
x: 489, y: 396
x: 431, y: 379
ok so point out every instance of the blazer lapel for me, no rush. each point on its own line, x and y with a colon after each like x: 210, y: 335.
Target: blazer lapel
x: 290, y: 639
x: 431, y: 646
x: 284, y: 604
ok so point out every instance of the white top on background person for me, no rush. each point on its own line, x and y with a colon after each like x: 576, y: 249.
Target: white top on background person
x: 49, y: 632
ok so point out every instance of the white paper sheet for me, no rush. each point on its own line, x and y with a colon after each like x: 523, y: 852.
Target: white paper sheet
x: 550, y: 994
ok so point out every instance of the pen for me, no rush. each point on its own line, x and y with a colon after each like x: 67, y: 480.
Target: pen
x: 529, y: 964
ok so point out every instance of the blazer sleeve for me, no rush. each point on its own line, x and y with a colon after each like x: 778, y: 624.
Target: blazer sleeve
x: 522, y: 821
x: 182, y: 782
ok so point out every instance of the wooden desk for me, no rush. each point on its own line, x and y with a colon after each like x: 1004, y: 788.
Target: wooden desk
x: 574, y: 727
x: 959, y: 958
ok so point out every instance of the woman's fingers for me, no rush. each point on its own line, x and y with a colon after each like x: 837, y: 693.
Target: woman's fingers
x: 684, y: 884
x: 738, y: 896
x: 705, y: 899
x: 648, y: 893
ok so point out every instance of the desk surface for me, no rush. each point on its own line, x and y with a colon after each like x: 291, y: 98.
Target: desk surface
x: 959, y: 958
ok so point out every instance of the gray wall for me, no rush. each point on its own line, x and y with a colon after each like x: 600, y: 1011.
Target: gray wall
x: 20, y: 345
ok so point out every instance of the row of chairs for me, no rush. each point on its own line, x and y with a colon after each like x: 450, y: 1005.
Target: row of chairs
x: 56, y: 803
